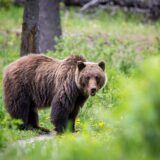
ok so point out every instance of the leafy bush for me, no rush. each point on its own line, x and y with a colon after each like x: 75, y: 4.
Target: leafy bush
x: 140, y: 99
x: 6, y: 4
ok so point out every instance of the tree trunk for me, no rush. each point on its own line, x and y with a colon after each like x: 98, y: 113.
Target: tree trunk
x: 41, y: 25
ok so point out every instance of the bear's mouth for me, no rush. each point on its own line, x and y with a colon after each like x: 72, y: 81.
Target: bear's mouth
x: 93, y: 93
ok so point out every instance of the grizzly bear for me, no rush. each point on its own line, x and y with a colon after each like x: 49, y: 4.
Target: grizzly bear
x: 37, y: 81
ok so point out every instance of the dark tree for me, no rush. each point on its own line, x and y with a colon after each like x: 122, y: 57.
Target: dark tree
x: 41, y: 25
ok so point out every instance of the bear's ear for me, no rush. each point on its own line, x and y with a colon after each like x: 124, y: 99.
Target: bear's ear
x: 80, y: 65
x: 102, y: 65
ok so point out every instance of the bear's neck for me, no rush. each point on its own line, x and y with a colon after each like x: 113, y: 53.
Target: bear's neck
x: 76, y: 96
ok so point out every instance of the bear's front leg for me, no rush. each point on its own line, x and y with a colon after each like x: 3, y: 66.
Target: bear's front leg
x: 59, y: 115
x: 72, y: 118
x: 59, y: 118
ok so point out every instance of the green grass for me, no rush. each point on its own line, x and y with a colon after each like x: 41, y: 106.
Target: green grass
x: 122, y: 120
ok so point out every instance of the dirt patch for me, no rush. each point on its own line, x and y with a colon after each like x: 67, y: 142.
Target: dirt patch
x: 35, y: 139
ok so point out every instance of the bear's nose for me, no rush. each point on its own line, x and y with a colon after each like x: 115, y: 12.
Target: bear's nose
x: 93, y: 91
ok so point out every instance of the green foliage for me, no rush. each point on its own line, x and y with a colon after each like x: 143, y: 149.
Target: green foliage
x: 5, y: 4
x: 140, y: 100
x: 122, y: 120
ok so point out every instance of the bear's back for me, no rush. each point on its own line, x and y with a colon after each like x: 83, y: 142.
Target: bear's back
x: 28, y: 65
x: 39, y: 77
x: 32, y: 75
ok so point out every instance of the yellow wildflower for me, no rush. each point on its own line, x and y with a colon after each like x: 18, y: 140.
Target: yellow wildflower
x: 101, y: 124
x: 78, y: 121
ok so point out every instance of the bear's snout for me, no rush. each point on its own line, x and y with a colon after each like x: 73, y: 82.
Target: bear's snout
x: 92, y: 87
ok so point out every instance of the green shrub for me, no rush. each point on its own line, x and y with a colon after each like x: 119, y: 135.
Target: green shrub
x: 6, y: 4
x: 140, y: 112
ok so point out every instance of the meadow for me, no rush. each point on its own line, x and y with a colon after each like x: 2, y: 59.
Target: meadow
x: 122, y: 120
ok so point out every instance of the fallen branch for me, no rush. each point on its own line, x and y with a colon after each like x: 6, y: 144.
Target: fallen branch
x: 90, y: 4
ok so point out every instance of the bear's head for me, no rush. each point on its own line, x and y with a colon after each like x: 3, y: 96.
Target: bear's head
x: 90, y: 77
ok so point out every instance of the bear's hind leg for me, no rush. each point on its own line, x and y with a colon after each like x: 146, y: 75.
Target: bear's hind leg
x: 21, y: 111
x: 33, y: 120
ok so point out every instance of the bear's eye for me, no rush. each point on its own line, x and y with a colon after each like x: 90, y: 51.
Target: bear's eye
x: 87, y: 78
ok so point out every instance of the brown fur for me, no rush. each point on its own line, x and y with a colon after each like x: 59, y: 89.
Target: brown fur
x: 37, y: 81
